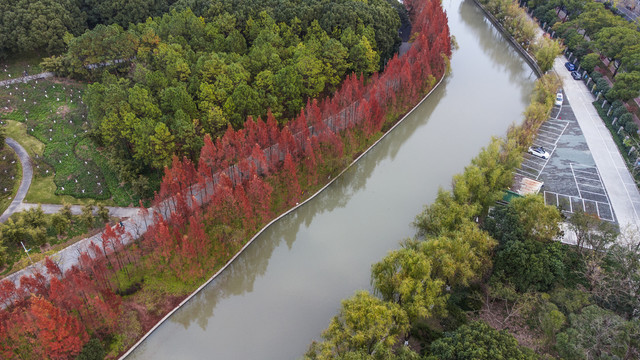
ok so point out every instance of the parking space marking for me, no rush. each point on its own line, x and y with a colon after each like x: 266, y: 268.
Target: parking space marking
x: 532, y: 166
x: 546, y: 131
x: 554, y: 144
x: 553, y: 198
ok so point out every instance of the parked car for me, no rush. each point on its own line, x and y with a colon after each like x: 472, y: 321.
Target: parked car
x: 575, y: 75
x: 559, y: 99
x: 570, y: 66
x: 538, y: 151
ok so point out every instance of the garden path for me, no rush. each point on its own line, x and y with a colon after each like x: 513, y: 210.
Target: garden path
x: 27, y: 174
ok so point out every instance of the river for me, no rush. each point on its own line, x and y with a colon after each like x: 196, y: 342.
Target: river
x: 282, y: 291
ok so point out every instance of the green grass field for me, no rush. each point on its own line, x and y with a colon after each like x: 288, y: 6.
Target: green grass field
x: 49, y: 119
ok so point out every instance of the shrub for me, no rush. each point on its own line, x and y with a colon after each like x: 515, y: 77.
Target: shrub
x: 602, y: 85
x: 596, y: 76
x: 631, y: 128
x: 618, y: 111
x: 625, y: 119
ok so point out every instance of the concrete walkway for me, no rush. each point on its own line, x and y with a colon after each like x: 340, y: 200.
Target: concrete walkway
x: 121, y: 212
x: 622, y: 190
x: 27, y: 174
x: 26, y: 78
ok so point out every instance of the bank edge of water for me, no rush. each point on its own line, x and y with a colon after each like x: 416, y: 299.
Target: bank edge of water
x: 530, y: 60
x: 214, y: 276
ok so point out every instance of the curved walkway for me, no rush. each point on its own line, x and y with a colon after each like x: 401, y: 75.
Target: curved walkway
x: 27, y: 174
x: 18, y: 205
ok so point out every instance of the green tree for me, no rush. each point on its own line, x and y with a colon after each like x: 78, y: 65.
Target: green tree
x: 611, y: 41
x: 87, y: 216
x: 591, y: 232
x: 60, y: 223
x: 364, y: 324
x: 598, y: 333
x: 540, y: 222
x: 444, y: 215
x: 521, y: 260
x: 66, y: 211
x: 546, y: 52
x: 478, y: 341
x: 3, y: 252
x: 92, y: 350
x: 459, y: 257
x: 3, y: 136
x: 162, y: 146
x: 103, y: 213
x: 590, y: 61
x: 404, y: 277
x: 484, y: 181
x: 626, y: 87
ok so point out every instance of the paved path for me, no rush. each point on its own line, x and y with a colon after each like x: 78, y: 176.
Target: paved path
x: 120, y: 212
x: 27, y: 174
x: 622, y: 190
x: 26, y: 78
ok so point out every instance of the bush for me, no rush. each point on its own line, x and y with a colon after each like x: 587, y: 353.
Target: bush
x: 625, y: 119
x: 602, y: 85
x: 596, y: 76
x: 618, y: 111
x: 631, y: 128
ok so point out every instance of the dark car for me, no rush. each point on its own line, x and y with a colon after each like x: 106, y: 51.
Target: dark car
x: 575, y: 75
x: 570, y: 66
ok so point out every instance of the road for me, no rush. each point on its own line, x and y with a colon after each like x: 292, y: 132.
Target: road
x: 27, y: 174
x: 623, y: 192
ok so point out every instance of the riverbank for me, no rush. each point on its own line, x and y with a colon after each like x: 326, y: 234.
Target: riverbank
x: 257, y: 235
x: 294, y: 276
x: 525, y: 54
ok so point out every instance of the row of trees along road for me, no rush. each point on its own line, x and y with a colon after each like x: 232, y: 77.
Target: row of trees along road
x: 187, y: 76
x: 241, y: 180
x: 591, y: 30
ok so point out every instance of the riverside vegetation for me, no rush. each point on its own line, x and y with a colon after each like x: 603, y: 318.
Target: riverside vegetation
x: 472, y: 268
x: 242, y: 179
x: 161, y: 85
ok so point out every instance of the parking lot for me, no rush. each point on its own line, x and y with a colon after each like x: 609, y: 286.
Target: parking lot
x: 571, y: 179
x: 548, y: 137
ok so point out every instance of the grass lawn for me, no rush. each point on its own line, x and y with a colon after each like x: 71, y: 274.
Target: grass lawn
x: 10, y: 175
x: 49, y: 119
x: 15, y: 67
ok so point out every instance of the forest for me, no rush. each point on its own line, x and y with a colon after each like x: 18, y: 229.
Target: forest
x: 164, y: 83
x: 207, y: 209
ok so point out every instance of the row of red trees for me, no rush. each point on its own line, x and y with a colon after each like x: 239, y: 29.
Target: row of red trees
x: 204, y: 211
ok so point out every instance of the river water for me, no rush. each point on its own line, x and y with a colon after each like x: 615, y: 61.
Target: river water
x: 282, y: 291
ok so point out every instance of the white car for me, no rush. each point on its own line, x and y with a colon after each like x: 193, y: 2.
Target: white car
x: 559, y: 99
x: 538, y: 151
